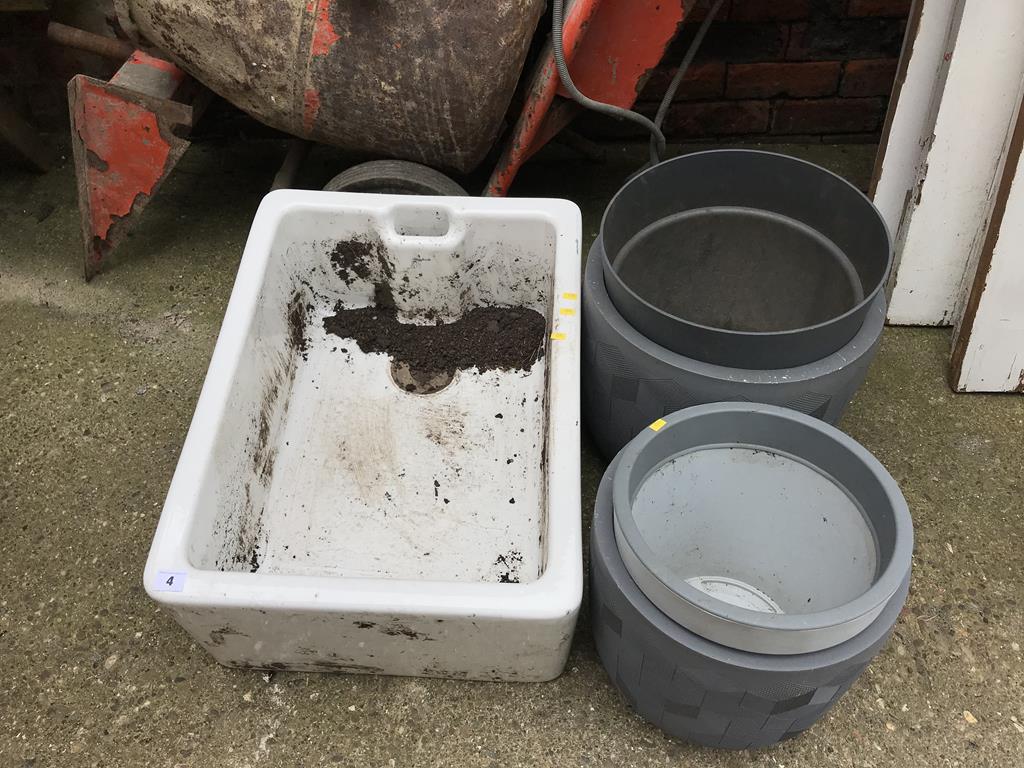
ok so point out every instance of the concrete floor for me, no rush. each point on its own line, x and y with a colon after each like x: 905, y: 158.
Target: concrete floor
x: 98, y: 383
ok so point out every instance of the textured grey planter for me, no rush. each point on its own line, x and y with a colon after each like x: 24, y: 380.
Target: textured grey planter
x: 701, y: 691
x: 744, y: 258
x: 629, y: 380
x: 760, y: 528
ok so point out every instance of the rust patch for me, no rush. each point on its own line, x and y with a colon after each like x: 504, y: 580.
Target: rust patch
x: 95, y: 161
x: 310, y: 108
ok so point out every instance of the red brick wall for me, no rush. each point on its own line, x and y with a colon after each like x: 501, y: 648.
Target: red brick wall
x: 778, y: 70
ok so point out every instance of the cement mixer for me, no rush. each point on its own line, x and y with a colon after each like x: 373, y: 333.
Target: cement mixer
x: 424, y: 85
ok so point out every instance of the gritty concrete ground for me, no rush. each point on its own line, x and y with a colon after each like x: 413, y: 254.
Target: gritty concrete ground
x: 97, y: 386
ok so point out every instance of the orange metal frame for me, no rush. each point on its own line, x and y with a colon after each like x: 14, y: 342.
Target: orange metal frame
x: 127, y: 135
x: 610, y: 45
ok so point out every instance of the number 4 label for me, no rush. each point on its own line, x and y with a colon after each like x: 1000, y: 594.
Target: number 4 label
x: 169, y: 581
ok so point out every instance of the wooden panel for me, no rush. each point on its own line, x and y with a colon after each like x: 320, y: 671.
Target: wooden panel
x: 924, y: 63
x: 953, y: 192
x: 988, y: 349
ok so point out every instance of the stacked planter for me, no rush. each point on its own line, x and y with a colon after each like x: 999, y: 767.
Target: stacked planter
x: 800, y: 261
x: 707, y: 635
x: 748, y: 560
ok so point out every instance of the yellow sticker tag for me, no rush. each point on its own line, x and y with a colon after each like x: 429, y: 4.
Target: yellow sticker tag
x: 569, y: 296
x: 567, y: 311
x: 558, y: 336
x: 658, y: 424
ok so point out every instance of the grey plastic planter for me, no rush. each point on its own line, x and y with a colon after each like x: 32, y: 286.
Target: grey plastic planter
x: 629, y: 380
x: 701, y: 691
x: 760, y: 528
x: 744, y: 258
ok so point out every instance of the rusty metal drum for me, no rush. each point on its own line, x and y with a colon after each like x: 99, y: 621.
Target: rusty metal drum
x: 422, y: 80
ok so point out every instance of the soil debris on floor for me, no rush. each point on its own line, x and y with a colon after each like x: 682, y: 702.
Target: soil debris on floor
x: 487, y: 338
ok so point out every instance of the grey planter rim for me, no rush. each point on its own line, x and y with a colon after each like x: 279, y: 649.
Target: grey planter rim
x: 873, y: 325
x: 734, y: 657
x: 773, y: 633
x: 621, y: 288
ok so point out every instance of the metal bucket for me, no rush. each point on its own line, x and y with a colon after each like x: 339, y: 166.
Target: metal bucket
x: 760, y: 528
x: 743, y: 258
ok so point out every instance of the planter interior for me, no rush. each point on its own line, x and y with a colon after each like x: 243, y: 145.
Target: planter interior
x: 743, y: 258
x: 759, y: 528
x: 739, y: 269
x: 807, y: 547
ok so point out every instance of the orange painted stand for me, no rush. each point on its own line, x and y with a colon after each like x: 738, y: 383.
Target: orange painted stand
x: 127, y: 135
x: 610, y: 46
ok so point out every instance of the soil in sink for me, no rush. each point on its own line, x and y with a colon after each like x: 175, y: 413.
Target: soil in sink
x: 426, y: 357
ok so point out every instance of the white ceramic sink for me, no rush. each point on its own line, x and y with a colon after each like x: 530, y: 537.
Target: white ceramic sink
x: 322, y: 517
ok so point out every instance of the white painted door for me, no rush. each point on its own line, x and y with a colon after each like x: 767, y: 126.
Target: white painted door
x: 988, y: 347
x: 945, y: 219
x: 906, y: 138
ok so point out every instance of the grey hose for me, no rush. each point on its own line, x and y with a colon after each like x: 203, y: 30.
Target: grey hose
x: 557, y: 23
x: 654, y: 127
x: 658, y: 148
